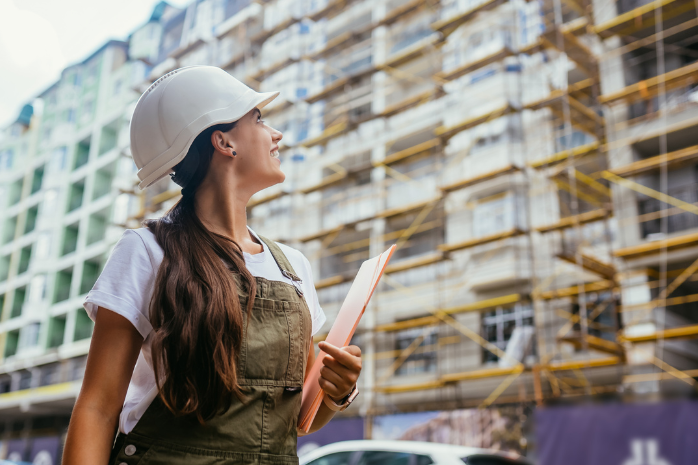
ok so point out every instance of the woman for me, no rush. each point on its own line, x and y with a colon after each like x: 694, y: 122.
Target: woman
x: 203, y: 329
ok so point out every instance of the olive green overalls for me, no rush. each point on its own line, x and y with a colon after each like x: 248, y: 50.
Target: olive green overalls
x: 271, y: 370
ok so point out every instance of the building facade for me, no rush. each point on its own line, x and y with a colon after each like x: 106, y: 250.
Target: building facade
x: 533, y: 161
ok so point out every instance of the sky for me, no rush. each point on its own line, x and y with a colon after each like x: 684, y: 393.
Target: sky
x: 38, y: 38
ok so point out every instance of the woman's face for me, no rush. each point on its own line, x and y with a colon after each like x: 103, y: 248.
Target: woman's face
x: 257, y: 162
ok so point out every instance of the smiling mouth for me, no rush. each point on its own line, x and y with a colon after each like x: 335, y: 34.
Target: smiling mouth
x: 274, y: 154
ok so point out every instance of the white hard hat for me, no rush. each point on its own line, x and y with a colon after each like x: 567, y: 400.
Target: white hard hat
x: 178, y: 107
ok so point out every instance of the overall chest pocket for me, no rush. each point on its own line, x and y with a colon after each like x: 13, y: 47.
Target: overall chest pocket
x: 274, y: 344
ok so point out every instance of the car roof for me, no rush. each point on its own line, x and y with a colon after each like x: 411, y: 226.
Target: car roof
x: 415, y: 447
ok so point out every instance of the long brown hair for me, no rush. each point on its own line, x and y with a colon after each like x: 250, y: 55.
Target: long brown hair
x: 195, y: 311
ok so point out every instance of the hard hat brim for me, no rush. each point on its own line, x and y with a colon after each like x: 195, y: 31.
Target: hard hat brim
x: 162, y: 165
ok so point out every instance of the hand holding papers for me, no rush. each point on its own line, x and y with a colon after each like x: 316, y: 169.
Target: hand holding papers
x: 342, y: 331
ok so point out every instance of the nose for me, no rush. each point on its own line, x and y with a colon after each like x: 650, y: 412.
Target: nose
x: 276, y: 135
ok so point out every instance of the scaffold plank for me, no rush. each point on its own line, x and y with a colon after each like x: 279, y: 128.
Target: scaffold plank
x: 411, y: 102
x: 581, y: 116
x: 571, y: 221
x: 576, y: 152
x: 684, y: 332
x: 672, y: 159
x: 266, y: 33
x: 390, y: 212
x: 581, y: 364
x: 430, y: 320
x: 164, y: 197
x: 480, y: 240
x: 331, y: 281
x: 411, y: 53
x: 410, y: 264
x: 475, y: 65
x: 402, y: 10
x: 328, y: 90
x: 446, y: 132
x: 643, y: 17
x: 589, y: 263
x: 463, y: 183
x: 327, y: 134
x: 411, y: 151
x: 327, y: 181
x: 594, y: 343
x: 651, y: 87
x: 265, y: 199
x: 574, y: 291
x: 449, y: 25
x: 655, y: 247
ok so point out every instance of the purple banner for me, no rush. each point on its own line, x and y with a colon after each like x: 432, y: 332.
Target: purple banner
x: 44, y: 450
x: 340, y: 429
x: 16, y: 449
x: 618, y: 434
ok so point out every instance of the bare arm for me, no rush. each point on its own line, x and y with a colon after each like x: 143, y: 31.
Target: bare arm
x: 341, y: 370
x: 113, y: 353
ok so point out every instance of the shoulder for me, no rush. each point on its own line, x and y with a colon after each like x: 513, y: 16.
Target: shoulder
x: 141, y: 243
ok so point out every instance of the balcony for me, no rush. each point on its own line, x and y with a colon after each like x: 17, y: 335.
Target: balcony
x: 686, y: 76
x: 643, y: 17
x: 652, y: 210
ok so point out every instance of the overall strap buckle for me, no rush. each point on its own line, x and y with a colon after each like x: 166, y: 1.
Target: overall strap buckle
x: 294, y: 279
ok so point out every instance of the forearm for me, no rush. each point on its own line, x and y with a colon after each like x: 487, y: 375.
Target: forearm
x: 323, y: 416
x: 90, y: 436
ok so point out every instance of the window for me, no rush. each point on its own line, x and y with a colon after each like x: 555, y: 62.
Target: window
x: 29, y: 336
x: 498, y: 325
x: 496, y: 214
x: 24, y: 258
x: 6, y: 159
x: 11, y: 343
x: 109, y: 137
x: 423, y: 359
x: 103, y: 180
x: 4, y: 271
x: 58, y: 158
x: 338, y: 458
x: 83, y: 325
x: 77, y: 192
x: 90, y: 273
x: 70, y: 239
x: 18, y: 302
x: 56, y: 331
x: 82, y: 153
x: 393, y: 458
x: 30, y: 223
x: 37, y: 179
x: 61, y: 291
x: 9, y: 229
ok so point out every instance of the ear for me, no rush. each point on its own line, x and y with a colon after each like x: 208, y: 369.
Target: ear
x: 222, y: 143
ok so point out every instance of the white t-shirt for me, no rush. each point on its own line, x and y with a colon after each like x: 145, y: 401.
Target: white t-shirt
x: 125, y: 286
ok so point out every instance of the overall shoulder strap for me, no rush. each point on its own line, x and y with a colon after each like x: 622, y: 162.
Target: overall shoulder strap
x: 280, y: 258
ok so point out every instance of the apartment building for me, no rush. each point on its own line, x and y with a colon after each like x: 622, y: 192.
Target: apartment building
x: 533, y: 161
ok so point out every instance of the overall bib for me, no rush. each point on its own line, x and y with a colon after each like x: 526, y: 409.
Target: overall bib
x: 271, y: 370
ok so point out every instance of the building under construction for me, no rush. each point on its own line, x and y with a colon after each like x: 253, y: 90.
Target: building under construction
x: 535, y: 163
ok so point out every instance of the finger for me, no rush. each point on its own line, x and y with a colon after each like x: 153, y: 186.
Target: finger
x: 342, y: 356
x: 351, y: 375
x: 329, y: 388
x: 353, y: 350
x: 335, y: 378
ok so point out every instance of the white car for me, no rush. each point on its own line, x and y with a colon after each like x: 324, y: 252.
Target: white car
x: 378, y: 452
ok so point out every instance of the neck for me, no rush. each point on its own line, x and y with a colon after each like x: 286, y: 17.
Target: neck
x: 221, y: 207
